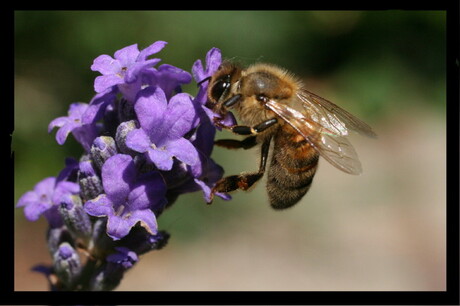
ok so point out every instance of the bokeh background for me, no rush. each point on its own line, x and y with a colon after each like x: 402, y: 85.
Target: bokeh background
x: 382, y: 230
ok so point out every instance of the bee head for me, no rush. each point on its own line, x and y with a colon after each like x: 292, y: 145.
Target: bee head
x: 219, y: 88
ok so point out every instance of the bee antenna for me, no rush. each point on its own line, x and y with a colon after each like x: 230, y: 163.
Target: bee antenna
x: 202, y: 81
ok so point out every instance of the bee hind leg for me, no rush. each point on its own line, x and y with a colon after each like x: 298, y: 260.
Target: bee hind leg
x: 243, y: 181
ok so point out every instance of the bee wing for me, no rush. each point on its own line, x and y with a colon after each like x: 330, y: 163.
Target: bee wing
x: 331, y: 116
x: 333, y: 147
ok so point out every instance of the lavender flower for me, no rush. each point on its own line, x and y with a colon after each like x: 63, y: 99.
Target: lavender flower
x: 125, y: 69
x: 162, y: 127
x: 46, y: 198
x: 145, y: 143
x: 83, y: 133
x: 129, y: 197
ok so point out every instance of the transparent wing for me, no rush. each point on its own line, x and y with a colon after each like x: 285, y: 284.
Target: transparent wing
x: 329, y: 143
x: 330, y: 116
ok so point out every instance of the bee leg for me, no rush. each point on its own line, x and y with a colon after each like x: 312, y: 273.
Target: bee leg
x: 247, y: 143
x: 248, y: 130
x: 245, y: 180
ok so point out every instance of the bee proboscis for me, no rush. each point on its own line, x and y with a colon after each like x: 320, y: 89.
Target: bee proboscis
x: 275, y: 107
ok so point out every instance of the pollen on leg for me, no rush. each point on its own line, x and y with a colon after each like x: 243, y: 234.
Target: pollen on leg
x: 243, y: 183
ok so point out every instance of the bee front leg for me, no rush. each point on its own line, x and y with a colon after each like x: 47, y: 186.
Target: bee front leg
x: 245, y: 180
x: 248, y: 130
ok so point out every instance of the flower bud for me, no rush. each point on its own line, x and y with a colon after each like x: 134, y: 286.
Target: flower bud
x: 56, y: 236
x: 90, y: 182
x: 67, y: 264
x: 75, y: 217
x: 123, y: 129
x: 102, y: 149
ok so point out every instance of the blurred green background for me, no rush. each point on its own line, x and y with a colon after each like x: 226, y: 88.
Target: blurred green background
x: 383, y: 230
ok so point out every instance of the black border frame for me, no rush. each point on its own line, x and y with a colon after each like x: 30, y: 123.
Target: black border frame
x: 448, y: 297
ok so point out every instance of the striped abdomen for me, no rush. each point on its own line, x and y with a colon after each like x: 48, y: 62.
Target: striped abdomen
x: 293, y: 166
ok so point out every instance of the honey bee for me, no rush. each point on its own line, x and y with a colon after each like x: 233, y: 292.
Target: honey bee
x: 275, y: 107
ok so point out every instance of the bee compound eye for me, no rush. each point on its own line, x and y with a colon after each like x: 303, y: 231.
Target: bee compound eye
x: 220, y: 87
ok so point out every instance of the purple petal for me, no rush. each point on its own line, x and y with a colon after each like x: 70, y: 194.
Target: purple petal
x: 86, y: 168
x: 127, y: 56
x: 204, y: 138
x: 213, y: 61
x: 152, y: 49
x: 85, y: 135
x: 173, y: 73
x: 147, y: 220
x: 119, y: 226
x: 63, y: 132
x: 198, y: 70
x: 105, y: 64
x: 34, y: 210
x: 150, y: 107
x: 130, y: 91
x: 207, y: 192
x: 118, y: 173
x: 28, y: 197
x: 148, y: 193
x: 101, y: 206
x: 180, y: 116
x: 76, y: 110
x: 201, y: 97
x: 58, y: 122
x: 103, y: 82
x: 63, y: 190
x: 123, y: 257
x: 161, y: 158
x: 136, y: 68
x: 170, y: 78
x: 98, y: 105
x: 138, y: 198
x: 46, y: 186
x: 184, y: 151
x: 70, y: 170
x: 54, y: 218
x: 138, y: 140
x: 229, y: 119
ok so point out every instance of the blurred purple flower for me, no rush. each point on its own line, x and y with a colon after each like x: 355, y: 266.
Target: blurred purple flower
x: 162, y: 127
x: 129, y: 197
x: 45, y: 199
x: 83, y: 133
